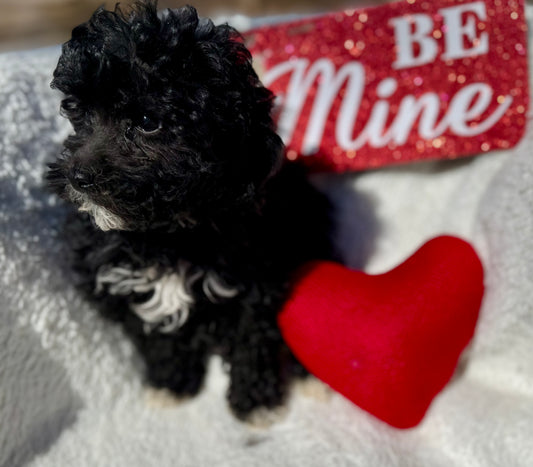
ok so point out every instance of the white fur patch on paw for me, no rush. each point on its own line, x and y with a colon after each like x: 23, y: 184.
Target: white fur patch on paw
x: 162, y: 398
x: 312, y: 388
x: 262, y: 417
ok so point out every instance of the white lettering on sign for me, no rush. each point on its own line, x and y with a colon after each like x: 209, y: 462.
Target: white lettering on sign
x: 453, y: 19
x: 329, y: 84
x: 459, y: 22
x: 467, y: 105
x: 411, y: 30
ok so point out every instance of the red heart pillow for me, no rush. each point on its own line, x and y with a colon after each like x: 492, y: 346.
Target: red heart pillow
x: 387, y: 342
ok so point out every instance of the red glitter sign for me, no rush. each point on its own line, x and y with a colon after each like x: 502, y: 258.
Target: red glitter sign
x: 406, y: 81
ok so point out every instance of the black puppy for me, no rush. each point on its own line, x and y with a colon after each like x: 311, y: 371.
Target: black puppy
x: 191, y: 228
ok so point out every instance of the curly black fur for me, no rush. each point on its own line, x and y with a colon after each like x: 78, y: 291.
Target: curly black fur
x: 174, y: 141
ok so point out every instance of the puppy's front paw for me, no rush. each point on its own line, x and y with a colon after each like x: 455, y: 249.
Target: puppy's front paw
x: 162, y: 398
x: 264, y: 418
x: 312, y: 388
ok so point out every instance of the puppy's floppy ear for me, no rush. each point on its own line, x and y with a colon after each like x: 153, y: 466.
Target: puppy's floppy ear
x: 266, y: 154
x: 97, y: 50
x: 252, y: 109
x: 214, y: 61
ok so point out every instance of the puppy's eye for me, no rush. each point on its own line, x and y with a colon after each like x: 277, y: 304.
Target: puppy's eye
x: 149, y: 125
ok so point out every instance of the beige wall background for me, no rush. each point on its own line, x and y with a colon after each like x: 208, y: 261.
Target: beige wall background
x: 36, y: 23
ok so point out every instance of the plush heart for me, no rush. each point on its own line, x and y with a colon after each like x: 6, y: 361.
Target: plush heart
x: 387, y: 342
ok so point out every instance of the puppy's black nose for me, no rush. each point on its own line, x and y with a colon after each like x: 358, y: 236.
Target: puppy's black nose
x: 81, y: 180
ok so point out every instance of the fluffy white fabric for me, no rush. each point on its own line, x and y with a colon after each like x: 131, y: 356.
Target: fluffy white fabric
x: 70, y: 387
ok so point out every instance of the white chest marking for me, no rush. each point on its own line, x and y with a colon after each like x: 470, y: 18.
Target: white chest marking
x: 172, y: 299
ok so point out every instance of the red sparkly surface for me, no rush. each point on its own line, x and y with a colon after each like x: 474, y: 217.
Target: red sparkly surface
x: 367, y: 37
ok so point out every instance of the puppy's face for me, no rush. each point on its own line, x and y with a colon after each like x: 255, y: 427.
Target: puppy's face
x: 171, y: 124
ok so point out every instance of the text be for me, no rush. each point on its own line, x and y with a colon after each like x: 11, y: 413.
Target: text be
x: 414, y: 32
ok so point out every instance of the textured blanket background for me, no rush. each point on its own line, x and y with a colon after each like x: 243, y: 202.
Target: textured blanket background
x: 70, y: 386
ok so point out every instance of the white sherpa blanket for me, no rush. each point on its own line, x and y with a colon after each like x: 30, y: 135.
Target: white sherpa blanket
x: 71, y: 393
